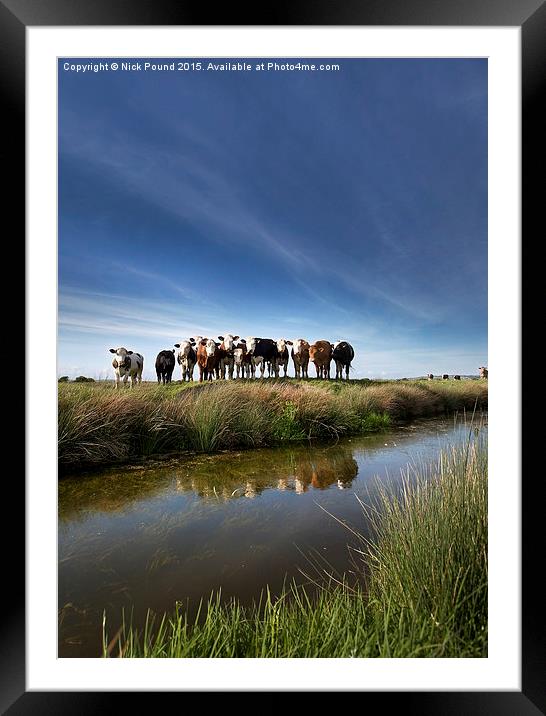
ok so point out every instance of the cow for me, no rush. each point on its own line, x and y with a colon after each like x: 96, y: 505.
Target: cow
x: 127, y: 364
x: 283, y: 357
x: 483, y: 372
x: 186, y: 358
x: 226, y: 354
x: 208, y: 359
x: 430, y: 376
x: 241, y: 359
x: 456, y: 377
x: 343, y: 353
x: 445, y: 376
x: 320, y: 353
x: 164, y: 366
x: 262, y: 351
x: 300, y: 357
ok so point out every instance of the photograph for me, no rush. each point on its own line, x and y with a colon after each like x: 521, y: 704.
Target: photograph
x: 272, y: 357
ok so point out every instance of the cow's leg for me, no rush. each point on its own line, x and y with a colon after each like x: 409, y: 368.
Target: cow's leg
x: 117, y: 381
x: 319, y: 372
x: 125, y: 379
x: 347, y: 371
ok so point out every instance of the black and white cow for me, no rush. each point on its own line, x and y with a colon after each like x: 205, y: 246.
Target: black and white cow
x: 343, y: 355
x: 164, y: 366
x: 227, y: 346
x: 127, y: 364
x: 242, y: 359
x: 283, y: 357
x: 262, y: 351
x: 187, y: 357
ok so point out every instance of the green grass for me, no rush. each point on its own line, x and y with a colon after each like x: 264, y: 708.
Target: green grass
x: 425, y: 595
x: 100, y: 425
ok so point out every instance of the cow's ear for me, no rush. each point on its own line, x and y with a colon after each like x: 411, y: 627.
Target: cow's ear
x: 192, y: 341
x: 221, y: 338
x: 235, y: 338
x: 172, y: 351
x: 203, y: 342
x: 289, y: 343
x: 129, y: 353
x: 112, y: 350
x: 242, y: 340
x: 176, y: 345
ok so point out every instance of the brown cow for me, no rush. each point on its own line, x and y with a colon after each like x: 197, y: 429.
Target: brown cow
x: 320, y: 353
x: 208, y: 359
x: 483, y: 372
x: 300, y: 356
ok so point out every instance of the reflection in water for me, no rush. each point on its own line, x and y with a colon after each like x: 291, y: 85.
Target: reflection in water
x: 145, y: 536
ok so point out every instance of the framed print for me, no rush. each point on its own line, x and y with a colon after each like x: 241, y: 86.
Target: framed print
x: 352, y: 176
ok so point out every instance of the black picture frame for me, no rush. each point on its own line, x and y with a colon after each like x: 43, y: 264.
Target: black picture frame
x: 530, y: 16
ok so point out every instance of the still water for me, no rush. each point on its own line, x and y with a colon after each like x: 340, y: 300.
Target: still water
x: 142, y: 537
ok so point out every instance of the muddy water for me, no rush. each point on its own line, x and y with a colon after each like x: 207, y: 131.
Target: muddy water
x: 145, y: 537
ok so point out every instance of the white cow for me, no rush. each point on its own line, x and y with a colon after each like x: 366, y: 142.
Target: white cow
x: 127, y: 365
x: 187, y: 358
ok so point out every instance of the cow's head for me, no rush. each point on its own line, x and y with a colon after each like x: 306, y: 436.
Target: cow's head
x: 251, y: 343
x: 122, y: 357
x: 210, y: 346
x: 282, y: 343
x: 185, y: 347
x: 228, y: 340
x: 299, y: 345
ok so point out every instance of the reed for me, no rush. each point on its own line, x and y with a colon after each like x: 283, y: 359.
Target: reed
x: 98, y: 425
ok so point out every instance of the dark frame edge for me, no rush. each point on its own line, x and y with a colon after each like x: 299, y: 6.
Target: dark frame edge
x: 532, y: 699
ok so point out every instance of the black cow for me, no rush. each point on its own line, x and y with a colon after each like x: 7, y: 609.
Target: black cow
x: 456, y: 377
x: 164, y: 366
x: 445, y: 376
x: 343, y: 355
x: 263, y: 351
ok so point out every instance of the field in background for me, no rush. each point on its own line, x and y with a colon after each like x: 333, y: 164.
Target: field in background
x: 99, y: 425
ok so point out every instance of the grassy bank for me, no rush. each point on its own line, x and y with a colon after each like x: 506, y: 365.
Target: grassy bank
x: 99, y: 425
x: 426, y: 587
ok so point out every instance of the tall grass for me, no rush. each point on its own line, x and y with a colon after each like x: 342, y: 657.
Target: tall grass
x: 99, y: 425
x: 425, y: 595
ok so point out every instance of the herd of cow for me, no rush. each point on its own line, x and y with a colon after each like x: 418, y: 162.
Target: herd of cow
x: 231, y: 356
x: 234, y: 357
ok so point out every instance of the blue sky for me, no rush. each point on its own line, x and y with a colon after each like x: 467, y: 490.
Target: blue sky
x: 347, y: 205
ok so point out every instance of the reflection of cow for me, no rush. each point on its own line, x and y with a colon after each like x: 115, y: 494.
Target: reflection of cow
x: 333, y: 466
x: 483, y: 372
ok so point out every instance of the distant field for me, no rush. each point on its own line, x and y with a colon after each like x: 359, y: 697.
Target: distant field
x: 100, y: 425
